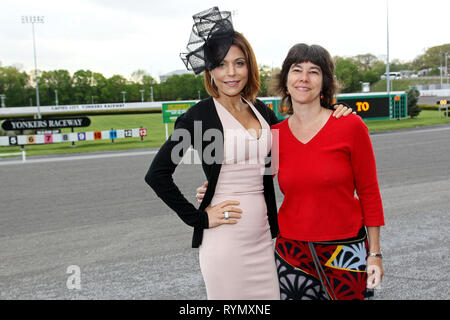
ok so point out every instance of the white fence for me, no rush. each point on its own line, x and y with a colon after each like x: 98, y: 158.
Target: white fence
x: 23, y: 153
x: 72, y: 137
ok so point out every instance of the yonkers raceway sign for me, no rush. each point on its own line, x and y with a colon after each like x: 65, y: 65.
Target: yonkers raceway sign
x: 82, y: 109
x: 27, y: 124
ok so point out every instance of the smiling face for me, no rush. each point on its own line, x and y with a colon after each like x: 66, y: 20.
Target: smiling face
x: 307, y: 72
x: 304, y: 82
x: 231, y: 76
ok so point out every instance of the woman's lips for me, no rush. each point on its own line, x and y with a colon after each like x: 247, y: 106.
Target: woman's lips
x: 302, y: 88
x: 231, y: 83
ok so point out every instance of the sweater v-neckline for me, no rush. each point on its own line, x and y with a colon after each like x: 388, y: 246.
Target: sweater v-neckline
x: 313, y: 138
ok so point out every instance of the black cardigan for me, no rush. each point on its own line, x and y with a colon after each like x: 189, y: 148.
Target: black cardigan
x: 159, y: 175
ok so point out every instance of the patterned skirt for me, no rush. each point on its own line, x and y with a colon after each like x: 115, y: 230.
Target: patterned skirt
x: 322, y: 270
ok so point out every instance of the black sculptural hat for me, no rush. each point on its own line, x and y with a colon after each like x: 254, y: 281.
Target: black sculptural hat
x: 210, y: 40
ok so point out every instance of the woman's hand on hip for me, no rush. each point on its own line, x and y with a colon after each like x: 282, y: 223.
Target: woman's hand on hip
x: 217, y: 215
x: 201, y: 192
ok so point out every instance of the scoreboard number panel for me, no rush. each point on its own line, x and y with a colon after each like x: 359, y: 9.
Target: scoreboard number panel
x: 13, y: 141
x: 113, y: 134
x: 97, y: 135
x: 50, y: 138
x: 31, y: 139
x: 81, y: 136
x: 376, y: 105
x: 128, y: 133
x: 369, y: 107
x: 143, y: 132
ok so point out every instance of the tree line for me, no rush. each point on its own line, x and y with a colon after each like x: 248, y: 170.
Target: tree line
x: 86, y: 86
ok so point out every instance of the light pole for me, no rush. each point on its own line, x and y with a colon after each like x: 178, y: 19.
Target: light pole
x: 388, y: 80
x: 446, y: 68
x: 123, y: 95
x: 151, y: 92
x: 387, y: 48
x: 142, y: 94
x: 56, y: 96
x: 440, y: 67
x: 33, y: 20
x: 3, y: 97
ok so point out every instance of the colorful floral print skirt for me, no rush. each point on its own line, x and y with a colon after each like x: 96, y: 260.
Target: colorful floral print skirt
x: 339, y: 272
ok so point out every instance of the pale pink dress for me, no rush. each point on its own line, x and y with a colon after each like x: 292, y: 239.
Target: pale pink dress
x: 237, y: 261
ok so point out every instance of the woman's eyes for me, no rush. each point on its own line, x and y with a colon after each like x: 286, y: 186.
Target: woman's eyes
x: 300, y: 70
x: 238, y: 63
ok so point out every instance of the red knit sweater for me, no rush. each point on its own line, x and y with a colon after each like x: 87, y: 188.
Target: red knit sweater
x: 319, y: 180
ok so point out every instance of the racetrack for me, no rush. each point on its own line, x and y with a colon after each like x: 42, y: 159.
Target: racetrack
x: 96, y: 212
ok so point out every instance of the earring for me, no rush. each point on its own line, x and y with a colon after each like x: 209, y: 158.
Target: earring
x: 322, y: 96
x: 287, y: 92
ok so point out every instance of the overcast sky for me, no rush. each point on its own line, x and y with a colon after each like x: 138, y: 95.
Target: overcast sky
x: 119, y: 37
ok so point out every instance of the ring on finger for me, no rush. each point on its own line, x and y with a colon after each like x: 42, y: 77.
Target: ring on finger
x: 227, y: 215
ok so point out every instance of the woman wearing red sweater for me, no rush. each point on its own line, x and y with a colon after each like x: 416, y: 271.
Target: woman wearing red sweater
x: 322, y: 251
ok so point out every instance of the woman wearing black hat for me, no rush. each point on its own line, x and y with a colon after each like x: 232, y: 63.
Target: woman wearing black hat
x: 237, y: 219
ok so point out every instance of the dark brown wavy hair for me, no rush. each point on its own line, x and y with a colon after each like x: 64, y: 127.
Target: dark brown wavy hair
x: 304, y: 53
x: 251, y: 89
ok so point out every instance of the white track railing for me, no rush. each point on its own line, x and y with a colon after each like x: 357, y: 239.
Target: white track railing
x: 23, y: 153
